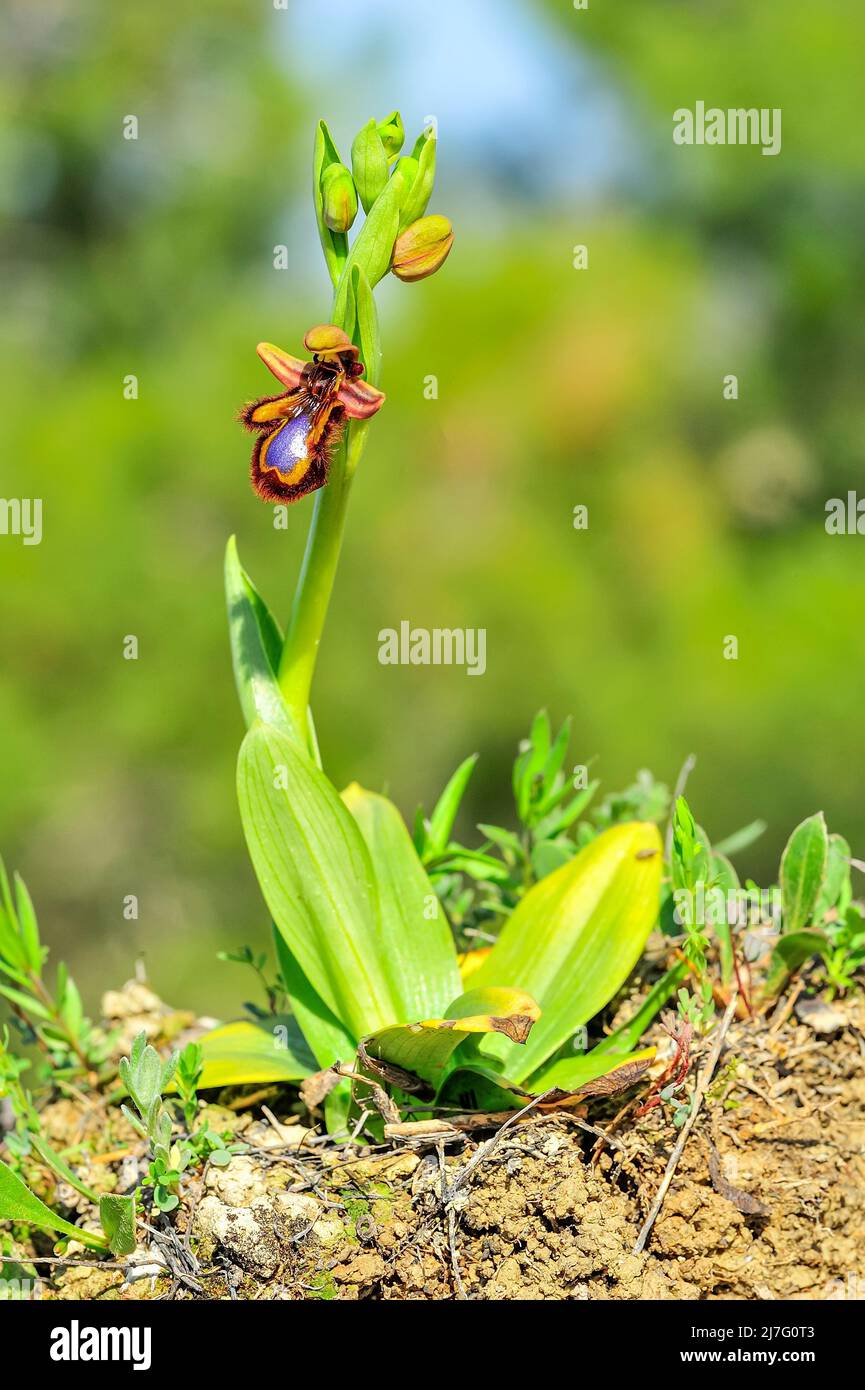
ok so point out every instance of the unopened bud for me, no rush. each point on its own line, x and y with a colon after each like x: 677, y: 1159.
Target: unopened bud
x: 422, y: 248
x: 392, y: 134
x: 338, y: 197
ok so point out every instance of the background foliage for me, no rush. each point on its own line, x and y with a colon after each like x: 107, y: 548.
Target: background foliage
x: 556, y: 387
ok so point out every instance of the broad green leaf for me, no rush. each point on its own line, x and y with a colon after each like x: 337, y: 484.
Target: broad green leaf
x: 837, y: 888
x: 790, y: 954
x: 255, y: 1050
x: 117, y: 1215
x: 416, y: 941
x: 425, y: 1048
x: 470, y: 961
x: 315, y: 873
x: 441, y: 822
x: 328, y: 1039
x: 625, y: 1038
x: 575, y: 937
x: 18, y: 1203
x: 803, y: 868
x: 256, y: 643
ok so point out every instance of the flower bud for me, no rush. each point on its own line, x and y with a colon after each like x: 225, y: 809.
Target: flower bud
x: 392, y: 134
x: 422, y: 248
x: 369, y: 164
x: 338, y: 198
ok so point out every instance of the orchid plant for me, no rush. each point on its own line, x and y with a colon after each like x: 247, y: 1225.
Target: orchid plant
x: 367, y: 957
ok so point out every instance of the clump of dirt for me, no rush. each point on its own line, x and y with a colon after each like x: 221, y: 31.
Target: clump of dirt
x: 767, y: 1200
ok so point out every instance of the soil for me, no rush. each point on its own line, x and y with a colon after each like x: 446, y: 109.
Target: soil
x: 767, y: 1200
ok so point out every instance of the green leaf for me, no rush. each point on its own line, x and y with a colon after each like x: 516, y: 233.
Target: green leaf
x: 837, y: 887
x: 369, y: 164
x: 726, y: 880
x: 117, y: 1215
x: 549, y: 855
x: 316, y: 877
x: 803, y: 869
x: 506, y: 840
x: 790, y: 954
x: 256, y: 644
x: 690, y: 862
x: 421, y: 187
x: 366, y: 314
x: 414, y: 935
x: 333, y: 244
x: 564, y: 817
x: 18, y: 1203
x: 26, y: 1003
x: 255, y: 1050
x: 575, y: 937
x: 444, y: 815
x: 329, y: 1039
x: 12, y: 949
x: 373, y: 246
x: 530, y: 762
x: 61, y: 1167
x: 626, y: 1037
x: 28, y: 927
x: 741, y: 839
x: 425, y: 1048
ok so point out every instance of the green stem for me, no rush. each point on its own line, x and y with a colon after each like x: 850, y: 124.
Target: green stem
x: 317, y: 575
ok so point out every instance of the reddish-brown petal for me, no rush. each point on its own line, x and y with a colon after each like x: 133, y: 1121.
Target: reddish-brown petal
x: 359, y: 399
x: 287, y: 369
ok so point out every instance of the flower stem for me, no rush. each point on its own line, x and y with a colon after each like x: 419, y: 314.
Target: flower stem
x: 317, y: 575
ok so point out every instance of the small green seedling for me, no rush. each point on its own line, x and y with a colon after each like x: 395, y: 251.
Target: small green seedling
x: 55, y: 1021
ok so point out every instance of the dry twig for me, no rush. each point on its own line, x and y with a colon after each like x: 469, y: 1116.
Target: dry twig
x: 700, y: 1091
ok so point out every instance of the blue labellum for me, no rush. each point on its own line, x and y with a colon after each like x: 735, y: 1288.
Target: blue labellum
x: 287, y: 447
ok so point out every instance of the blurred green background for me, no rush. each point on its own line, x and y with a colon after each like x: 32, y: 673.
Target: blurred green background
x: 555, y: 387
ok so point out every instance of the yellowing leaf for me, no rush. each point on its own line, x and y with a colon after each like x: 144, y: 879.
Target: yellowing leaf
x: 425, y: 1048
x: 574, y: 939
x: 268, y: 1049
